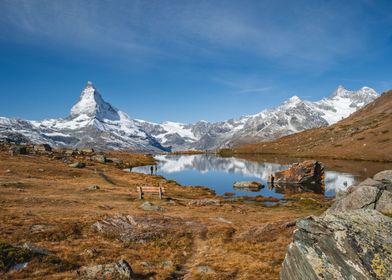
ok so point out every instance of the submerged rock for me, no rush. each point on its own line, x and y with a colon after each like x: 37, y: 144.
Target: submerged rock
x: 354, y: 244
x: 306, y: 172
x: 117, y: 270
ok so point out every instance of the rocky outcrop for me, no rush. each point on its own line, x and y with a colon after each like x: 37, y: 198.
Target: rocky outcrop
x: 351, y: 240
x: 127, y: 228
x: 118, y: 270
x: 306, y: 172
x: 373, y: 193
x: 354, y: 244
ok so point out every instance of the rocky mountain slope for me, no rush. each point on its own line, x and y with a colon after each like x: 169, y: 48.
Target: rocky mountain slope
x: 366, y: 134
x: 95, y: 123
x: 92, y: 123
x: 292, y: 116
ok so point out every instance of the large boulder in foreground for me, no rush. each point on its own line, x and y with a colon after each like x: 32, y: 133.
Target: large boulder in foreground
x: 355, y: 244
x: 351, y: 240
x: 307, y: 172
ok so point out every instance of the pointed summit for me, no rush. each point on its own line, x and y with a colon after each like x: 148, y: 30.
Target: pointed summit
x: 92, y: 105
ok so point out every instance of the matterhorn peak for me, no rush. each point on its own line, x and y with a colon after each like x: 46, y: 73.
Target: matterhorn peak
x: 92, y: 105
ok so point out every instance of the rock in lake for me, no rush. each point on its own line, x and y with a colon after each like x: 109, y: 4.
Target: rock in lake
x: 118, y: 270
x: 248, y: 185
x: 306, y: 172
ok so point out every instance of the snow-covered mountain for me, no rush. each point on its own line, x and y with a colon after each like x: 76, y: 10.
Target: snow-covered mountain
x: 95, y: 123
x: 92, y: 123
x: 292, y: 116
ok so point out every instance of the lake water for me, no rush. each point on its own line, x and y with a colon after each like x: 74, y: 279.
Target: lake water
x: 219, y: 173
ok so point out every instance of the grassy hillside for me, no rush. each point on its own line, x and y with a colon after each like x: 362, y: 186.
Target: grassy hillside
x: 365, y: 135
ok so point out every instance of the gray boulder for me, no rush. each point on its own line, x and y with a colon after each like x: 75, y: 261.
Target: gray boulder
x: 99, y: 158
x: 118, y: 270
x: 204, y: 202
x: 77, y: 164
x: 373, y: 193
x: 385, y: 175
x: 354, y: 244
x: 148, y: 206
x: 141, y: 229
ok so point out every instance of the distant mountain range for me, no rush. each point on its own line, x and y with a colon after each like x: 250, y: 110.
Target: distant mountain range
x: 95, y: 123
x: 364, y: 135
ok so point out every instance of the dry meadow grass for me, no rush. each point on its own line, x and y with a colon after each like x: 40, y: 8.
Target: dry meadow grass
x: 37, y: 190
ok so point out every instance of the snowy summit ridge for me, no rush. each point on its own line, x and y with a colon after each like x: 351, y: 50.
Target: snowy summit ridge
x: 92, y: 104
x: 93, y: 122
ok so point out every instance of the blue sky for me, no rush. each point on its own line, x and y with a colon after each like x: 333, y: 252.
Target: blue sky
x: 188, y: 60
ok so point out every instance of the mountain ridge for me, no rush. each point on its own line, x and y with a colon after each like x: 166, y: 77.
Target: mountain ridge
x: 364, y: 135
x: 93, y: 122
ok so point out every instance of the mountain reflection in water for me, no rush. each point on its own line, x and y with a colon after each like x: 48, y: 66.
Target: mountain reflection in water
x: 220, y: 173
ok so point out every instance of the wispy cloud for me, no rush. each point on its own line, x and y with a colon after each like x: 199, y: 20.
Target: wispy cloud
x: 294, y: 34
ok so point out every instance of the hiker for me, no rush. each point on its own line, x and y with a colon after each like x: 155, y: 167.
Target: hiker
x: 152, y: 169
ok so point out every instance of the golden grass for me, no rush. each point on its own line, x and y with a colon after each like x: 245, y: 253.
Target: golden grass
x: 37, y: 190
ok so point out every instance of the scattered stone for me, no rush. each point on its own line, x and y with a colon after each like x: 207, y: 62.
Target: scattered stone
x: 93, y: 188
x: 117, y: 270
x: 42, y: 148
x: 41, y: 228
x: 18, y: 150
x: 306, y: 172
x: 77, y: 164
x: 91, y: 252
x: 127, y: 228
x: 8, y: 171
x: 148, y: 206
x: 87, y: 150
x: 248, y: 185
x: 353, y: 244
x: 205, y: 269
x: 266, y: 231
x: 99, y: 158
x: 167, y: 263
x: 41, y: 170
x: 36, y: 250
x: 220, y: 219
x: 115, y: 160
x: 204, y: 202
